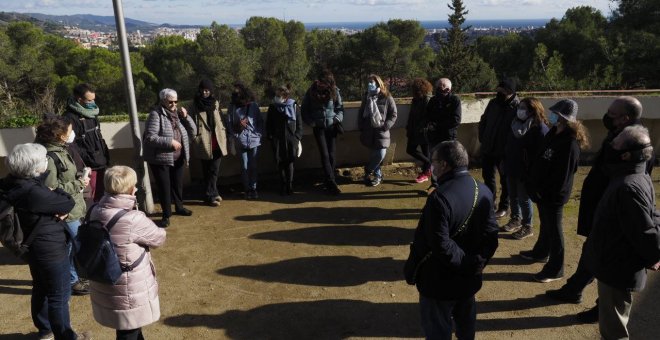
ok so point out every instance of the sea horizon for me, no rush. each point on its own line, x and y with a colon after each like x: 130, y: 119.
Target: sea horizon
x: 426, y: 24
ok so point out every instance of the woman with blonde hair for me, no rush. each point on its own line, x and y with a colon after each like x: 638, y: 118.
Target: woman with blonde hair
x: 525, y: 137
x: 376, y: 117
x: 550, y: 184
x: 132, y: 302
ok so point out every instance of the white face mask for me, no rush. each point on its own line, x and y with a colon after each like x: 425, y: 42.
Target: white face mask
x: 71, y: 138
x: 522, y: 114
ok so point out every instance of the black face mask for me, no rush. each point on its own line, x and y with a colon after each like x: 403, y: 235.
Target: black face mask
x: 234, y: 97
x: 613, y: 156
x: 608, y: 123
x: 500, y: 97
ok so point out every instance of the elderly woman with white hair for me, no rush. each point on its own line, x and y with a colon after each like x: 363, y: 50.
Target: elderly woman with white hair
x: 132, y: 302
x: 167, y: 150
x: 41, y: 212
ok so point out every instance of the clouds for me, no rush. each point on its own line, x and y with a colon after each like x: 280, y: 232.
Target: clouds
x: 203, y: 12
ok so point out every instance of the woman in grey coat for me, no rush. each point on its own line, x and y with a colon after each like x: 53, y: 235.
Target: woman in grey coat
x: 166, y: 150
x: 376, y: 117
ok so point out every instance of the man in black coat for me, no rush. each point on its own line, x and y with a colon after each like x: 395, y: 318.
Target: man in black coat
x: 494, y: 126
x: 458, y: 233
x: 625, y: 237
x: 624, y: 111
x: 443, y: 116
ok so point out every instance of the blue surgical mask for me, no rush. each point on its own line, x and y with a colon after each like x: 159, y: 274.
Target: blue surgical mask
x: 372, y: 87
x: 90, y: 105
x: 553, y: 118
x: 522, y: 114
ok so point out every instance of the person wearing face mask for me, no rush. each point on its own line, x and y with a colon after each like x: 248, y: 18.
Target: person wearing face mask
x: 132, y: 302
x: 494, y: 127
x: 41, y: 213
x: 209, y: 144
x: 550, y: 183
x: 246, y: 126
x: 624, y: 240
x: 443, y: 116
x: 83, y: 113
x: 525, y: 137
x: 284, y: 129
x: 455, y: 237
x: 167, y: 151
x: 376, y: 116
x: 55, y: 133
x: 623, y: 112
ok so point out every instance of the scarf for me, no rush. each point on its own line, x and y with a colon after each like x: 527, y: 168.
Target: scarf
x: 287, y: 108
x: 74, y: 106
x: 207, y: 105
x: 371, y: 111
x: 520, y: 127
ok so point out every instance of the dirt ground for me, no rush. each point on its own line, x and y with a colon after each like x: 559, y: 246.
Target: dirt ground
x: 312, y: 266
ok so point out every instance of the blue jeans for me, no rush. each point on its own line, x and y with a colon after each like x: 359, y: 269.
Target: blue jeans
x: 249, y: 168
x: 437, y: 315
x: 51, y: 291
x: 521, y: 205
x: 376, y: 157
x: 73, y: 227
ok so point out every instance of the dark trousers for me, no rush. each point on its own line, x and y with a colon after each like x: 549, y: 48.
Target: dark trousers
x: 582, y: 276
x: 437, y: 317
x: 51, y: 291
x: 286, y: 172
x: 131, y: 334
x: 211, y: 169
x: 551, y: 239
x: 326, y: 142
x: 169, y: 180
x: 422, y: 155
x: 490, y: 164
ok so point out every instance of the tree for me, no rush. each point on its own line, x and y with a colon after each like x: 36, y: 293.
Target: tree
x: 509, y: 55
x: 172, y: 60
x: 547, y: 71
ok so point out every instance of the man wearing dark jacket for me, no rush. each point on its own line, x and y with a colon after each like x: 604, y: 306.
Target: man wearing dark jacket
x: 624, y: 239
x: 82, y: 112
x: 624, y: 111
x: 494, y: 126
x: 443, y: 116
x: 458, y: 232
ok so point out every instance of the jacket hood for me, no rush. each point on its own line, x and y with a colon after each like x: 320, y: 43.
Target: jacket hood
x: 120, y: 201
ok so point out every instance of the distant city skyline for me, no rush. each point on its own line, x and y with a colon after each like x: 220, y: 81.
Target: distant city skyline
x: 203, y: 12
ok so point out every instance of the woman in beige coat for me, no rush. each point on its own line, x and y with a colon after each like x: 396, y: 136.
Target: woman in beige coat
x: 210, y: 142
x: 132, y: 302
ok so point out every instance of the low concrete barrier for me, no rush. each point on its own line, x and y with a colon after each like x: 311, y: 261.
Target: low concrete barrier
x: 349, y: 150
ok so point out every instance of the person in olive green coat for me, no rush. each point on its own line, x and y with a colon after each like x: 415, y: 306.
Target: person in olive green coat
x: 54, y: 133
x: 210, y: 143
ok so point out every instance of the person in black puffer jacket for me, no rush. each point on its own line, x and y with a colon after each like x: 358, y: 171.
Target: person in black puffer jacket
x: 41, y: 212
x: 421, y: 94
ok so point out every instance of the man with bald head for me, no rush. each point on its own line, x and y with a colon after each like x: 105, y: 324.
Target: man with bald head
x: 443, y: 116
x: 623, y: 112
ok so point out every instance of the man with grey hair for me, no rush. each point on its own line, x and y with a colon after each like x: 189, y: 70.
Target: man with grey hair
x: 443, y: 116
x: 455, y: 238
x: 624, y: 111
x: 625, y: 237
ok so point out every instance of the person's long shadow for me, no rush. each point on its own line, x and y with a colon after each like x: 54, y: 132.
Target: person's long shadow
x: 326, y: 271
x: 341, y: 215
x: 348, y: 235
x: 15, y: 290
x: 326, y: 319
x: 508, y: 276
x: 18, y: 336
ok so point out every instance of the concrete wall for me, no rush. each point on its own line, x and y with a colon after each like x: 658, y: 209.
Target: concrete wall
x: 349, y: 150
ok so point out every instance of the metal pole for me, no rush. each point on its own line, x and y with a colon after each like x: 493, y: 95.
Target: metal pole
x: 144, y: 185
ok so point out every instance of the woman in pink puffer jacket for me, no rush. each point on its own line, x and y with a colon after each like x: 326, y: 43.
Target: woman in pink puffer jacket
x: 132, y: 302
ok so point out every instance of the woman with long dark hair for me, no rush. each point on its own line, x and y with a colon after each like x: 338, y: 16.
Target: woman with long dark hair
x: 285, y: 131
x: 550, y: 184
x: 323, y: 110
x: 418, y: 146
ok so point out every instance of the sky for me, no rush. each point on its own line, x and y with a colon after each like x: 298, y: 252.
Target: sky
x: 203, y: 12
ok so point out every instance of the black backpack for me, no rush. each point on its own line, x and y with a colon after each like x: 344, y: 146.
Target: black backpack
x: 11, y: 233
x: 96, y: 257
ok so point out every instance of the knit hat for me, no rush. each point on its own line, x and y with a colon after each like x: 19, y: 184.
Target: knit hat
x: 508, y: 84
x: 206, y: 84
x: 566, y: 108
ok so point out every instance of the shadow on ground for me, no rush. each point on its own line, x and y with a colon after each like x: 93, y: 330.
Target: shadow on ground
x: 326, y: 271
x: 342, y: 215
x: 353, y: 235
x: 325, y: 319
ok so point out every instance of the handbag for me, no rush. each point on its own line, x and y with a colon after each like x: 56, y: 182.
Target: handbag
x: 416, y: 259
